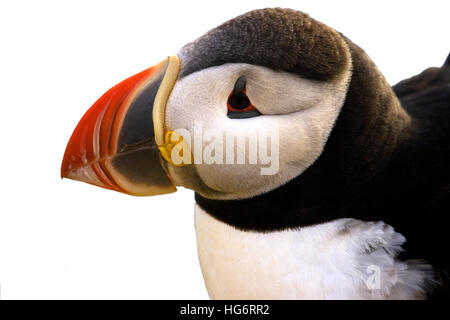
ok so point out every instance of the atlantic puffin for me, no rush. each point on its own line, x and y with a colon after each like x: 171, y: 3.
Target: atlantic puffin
x: 357, y: 205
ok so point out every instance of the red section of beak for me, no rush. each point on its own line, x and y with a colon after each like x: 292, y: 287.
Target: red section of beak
x: 95, y: 138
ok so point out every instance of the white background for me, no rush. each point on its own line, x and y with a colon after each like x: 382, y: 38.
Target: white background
x: 64, y: 239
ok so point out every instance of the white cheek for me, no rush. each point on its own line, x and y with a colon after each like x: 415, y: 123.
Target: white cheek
x: 200, y: 99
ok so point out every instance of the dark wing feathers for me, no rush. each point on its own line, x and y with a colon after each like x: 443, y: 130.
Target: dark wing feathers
x: 426, y: 97
x: 431, y: 78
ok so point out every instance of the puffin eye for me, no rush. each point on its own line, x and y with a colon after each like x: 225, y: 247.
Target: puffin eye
x: 239, y: 105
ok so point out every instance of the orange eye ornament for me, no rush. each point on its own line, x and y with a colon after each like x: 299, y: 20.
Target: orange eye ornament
x: 239, y: 105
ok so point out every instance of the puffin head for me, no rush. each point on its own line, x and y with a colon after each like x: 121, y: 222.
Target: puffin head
x: 245, y: 109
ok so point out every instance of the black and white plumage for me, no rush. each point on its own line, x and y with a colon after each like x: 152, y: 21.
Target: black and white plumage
x: 383, y: 161
x: 363, y: 179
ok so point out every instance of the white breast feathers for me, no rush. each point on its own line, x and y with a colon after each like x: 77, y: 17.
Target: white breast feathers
x: 342, y: 259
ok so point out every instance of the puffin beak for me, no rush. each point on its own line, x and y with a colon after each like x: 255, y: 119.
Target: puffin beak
x: 118, y: 143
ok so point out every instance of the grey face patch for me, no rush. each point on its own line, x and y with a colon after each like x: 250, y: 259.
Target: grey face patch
x: 280, y: 39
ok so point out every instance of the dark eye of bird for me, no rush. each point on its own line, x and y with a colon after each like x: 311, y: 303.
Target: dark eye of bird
x: 238, y: 99
x: 239, y: 105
